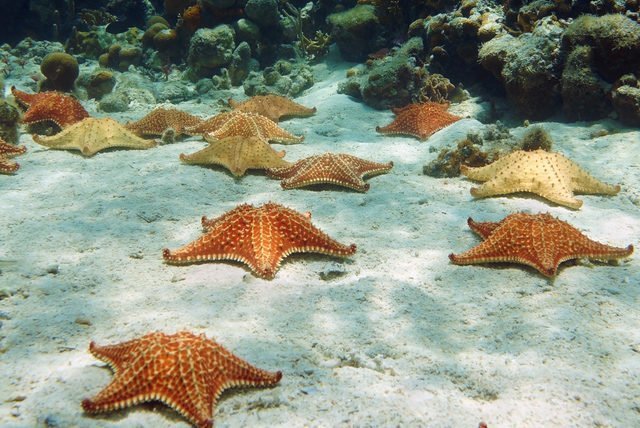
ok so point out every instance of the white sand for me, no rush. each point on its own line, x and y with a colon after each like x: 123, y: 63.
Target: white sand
x: 399, y: 337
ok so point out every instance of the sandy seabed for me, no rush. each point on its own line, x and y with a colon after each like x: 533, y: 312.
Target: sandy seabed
x: 393, y: 336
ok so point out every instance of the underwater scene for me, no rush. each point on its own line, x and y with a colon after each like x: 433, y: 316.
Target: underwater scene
x: 325, y: 213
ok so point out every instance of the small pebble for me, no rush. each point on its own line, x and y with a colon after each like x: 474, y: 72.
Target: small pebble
x: 53, y: 269
x: 82, y: 321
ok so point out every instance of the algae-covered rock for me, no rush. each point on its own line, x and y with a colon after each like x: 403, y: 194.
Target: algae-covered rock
x: 626, y: 102
x: 241, y: 64
x: 527, y: 66
x: 614, y: 39
x: 284, y: 78
x: 356, y: 31
x: 211, y: 48
x: 9, y: 117
x: 98, y: 83
x: 584, y: 93
x: 60, y: 70
x: 132, y: 89
x: 392, y: 81
x: 263, y: 12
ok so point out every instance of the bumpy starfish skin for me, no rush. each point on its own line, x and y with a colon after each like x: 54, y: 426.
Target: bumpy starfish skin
x: 238, y: 154
x: 161, y: 119
x: 7, y: 151
x: 93, y: 135
x: 184, y: 371
x: 329, y: 168
x: 550, y: 175
x: 419, y: 120
x: 258, y: 237
x: 537, y: 240
x: 57, y: 107
x: 237, y: 123
x: 275, y: 107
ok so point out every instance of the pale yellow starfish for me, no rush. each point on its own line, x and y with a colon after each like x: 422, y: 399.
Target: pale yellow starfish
x: 550, y: 175
x: 92, y: 135
x: 238, y: 154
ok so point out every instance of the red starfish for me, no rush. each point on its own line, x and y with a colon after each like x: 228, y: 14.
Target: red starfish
x: 259, y: 237
x: 57, y: 107
x: 8, y: 151
x: 185, y: 371
x: 331, y: 168
x: 537, y: 240
x: 419, y: 120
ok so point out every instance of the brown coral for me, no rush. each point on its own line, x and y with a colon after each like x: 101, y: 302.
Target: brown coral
x: 61, y: 71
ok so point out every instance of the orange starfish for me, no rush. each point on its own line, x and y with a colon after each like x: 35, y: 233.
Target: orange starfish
x: 238, y: 123
x: 7, y: 151
x: 54, y: 106
x: 160, y: 119
x: 185, y: 371
x: 258, y: 237
x: 537, y: 240
x: 419, y: 120
x: 331, y: 168
x: 275, y: 107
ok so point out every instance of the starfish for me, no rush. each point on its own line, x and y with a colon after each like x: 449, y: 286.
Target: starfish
x: 537, y: 240
x: 93, y: 135
x: 57, y: 107
x: 547, y: 174
x: 160, y: 119
x: 258, y: 237
x: 234, y: 123
x: 419, y: 120
x: 238, y: 154
x: 184, y: 371
x: 275, y: 107
x: 331, y: 168
x: 7, y: 151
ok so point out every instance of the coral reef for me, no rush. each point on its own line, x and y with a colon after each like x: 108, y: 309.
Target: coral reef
x: 614, y: 39
x: 528, y: 66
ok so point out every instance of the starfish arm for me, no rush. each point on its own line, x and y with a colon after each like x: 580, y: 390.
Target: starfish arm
x: 205, y: 156
x: 288, y: 171
x: 209, y: 125
x: 585, y: 183
x: 8, y: 167
x: 483, y: 229
x: 9, y: 150
x: 487, y: 172
x: 305, y: 237
x: 366, y: 168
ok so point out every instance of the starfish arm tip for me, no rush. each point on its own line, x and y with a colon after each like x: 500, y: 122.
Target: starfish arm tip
x: 88, y: 406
